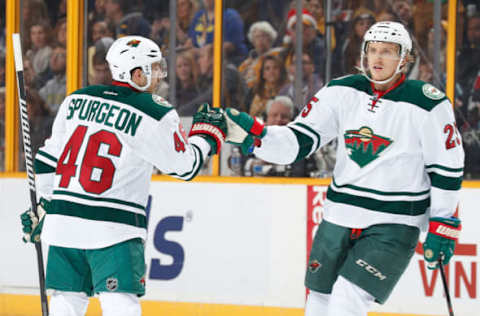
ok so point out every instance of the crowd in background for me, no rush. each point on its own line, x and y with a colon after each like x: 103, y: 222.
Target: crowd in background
x: 259, y: 61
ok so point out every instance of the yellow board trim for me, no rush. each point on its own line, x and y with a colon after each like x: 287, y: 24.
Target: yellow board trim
x: 467, y: 184
x: 75, y: 17
x: 451, y: 49
x: 29, y: 305
x: 11, y: 97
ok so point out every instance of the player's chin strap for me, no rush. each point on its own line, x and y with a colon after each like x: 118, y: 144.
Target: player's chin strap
x: 397, y: 71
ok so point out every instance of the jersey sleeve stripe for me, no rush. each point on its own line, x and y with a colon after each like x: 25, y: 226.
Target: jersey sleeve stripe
x: 305, y: 144
x: 411, y: 208
x: 197, y: 165
x: 444, y: 168
x: 445, y: 183
x: 384, y: 193
x: 48, y: 156
x: 41, y: 167
x: 316, y: 136
x: 96, y: 213
x: 98, y: 199
x: 444, y: 171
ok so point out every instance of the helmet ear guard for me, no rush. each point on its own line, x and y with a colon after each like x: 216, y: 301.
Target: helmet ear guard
x: 389, y: 32
x: 130, y: 52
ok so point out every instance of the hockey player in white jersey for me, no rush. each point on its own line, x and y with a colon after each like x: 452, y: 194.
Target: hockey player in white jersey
x: 93, y: 175
x: 399, y: 170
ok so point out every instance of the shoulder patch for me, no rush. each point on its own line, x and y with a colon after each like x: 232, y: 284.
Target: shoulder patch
x: 161, y: 101
x: 431, y: 92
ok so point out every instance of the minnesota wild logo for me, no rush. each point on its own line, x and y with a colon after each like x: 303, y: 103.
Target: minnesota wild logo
x: 363, y: 146
x: 133, y: 43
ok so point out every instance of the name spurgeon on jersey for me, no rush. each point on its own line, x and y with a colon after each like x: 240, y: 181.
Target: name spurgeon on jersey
x: 122, y: 119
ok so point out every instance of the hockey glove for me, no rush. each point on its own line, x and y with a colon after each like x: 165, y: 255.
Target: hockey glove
x: 440, y: 241
x: 32, y: 226
x: 210, y: 124
x: 244, y: 130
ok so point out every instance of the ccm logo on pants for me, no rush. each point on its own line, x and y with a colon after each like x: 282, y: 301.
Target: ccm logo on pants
x: 370, y: 269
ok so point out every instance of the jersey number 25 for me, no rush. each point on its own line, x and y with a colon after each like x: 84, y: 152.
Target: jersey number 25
x: 91, y: 160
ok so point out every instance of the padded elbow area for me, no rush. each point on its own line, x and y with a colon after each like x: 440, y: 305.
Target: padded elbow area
x: 120, y: 304
x: 305, y: 144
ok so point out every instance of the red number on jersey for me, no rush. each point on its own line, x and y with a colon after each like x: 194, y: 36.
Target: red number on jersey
x: 91, y: 160
x: 452, y: 138
x: 308, y: 107
x: 179, y: 144
x: 68, y: 169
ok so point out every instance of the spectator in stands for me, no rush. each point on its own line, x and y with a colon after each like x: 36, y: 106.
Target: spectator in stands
x: 425, y: 71
x: 40, y: 50
x: 29, y: 74
x: 311, y: 82
x: 2, y: 69
x: 202, y: 27
x: 279, y: 111
x: 61, y: 31
x: 273, y: 77
x: 262, y: 36
x: 53, y: 92
x: 40, y: 117
x: 101, y: 46
x: 102, y: 74
x: 187, y: 82
x: 126, y: 22
x: 386, y: 15
x: 362, y: 20
x: 33, y: 11
x: 233, y: 83
x: 316, y: 8
x: 185, y: 12
x: 100, y: 29
x: 161, y: 26
x: 403, y: 11
x: 312, y: 44
x: 468, y: 60
x: 98, y: 12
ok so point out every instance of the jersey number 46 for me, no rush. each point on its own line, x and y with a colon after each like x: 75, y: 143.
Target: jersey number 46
x: 91, y: 160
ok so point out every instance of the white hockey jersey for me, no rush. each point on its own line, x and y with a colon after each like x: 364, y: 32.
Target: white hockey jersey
x: 97, y: 164
x: 399, y: 157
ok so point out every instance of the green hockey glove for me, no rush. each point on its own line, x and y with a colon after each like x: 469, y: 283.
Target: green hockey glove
x: 440, y: 241
x: 210, y: 124
x: 32, y: 226
x: 244, y: 130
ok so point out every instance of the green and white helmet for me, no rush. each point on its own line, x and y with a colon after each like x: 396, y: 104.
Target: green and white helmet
x: 130, y: 52
x: 389, y: 32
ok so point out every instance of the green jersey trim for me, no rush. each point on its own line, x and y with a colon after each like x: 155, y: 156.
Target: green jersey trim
x: 41, y: 167
x: 48, y: 156
x: 97, y: 213
x: 305, y: 144
x: 386, y: 193
x: 444, y: 168
x: 142, y: 101
x: 98, y: 199
x: 197, y: 165
x: 410, y: 91
x: 445, y: 183
x: 411, y: 208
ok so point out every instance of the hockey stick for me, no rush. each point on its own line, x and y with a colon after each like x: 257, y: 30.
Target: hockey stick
x: 445, y: 287
x: 17, y: 54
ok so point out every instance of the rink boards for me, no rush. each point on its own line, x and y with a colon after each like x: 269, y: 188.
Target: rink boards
x: 237, y: 249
